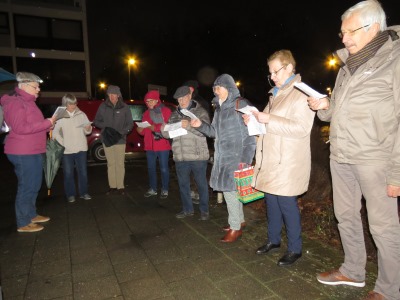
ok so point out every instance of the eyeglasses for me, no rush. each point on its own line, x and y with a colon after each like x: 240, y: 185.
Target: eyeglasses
x: 32, y: 86
x: 351, y: 32
x: 276, y: 72
x: 151, y: 100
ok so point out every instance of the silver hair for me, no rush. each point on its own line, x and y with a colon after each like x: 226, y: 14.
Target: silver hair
x: 68, y: 99
x: 370, y: 12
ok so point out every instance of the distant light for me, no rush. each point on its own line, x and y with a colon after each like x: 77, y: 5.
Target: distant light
x: 33, y: 54
x: 332, y: 62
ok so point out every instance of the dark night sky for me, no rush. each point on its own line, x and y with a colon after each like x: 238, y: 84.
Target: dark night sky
x: 174, y: 42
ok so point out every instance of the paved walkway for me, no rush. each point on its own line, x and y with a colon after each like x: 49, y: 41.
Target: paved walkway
x: 131, y: 247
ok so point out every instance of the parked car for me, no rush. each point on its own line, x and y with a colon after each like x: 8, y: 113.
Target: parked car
x: 134, y: 141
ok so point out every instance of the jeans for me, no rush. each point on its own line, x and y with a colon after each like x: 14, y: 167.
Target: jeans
x: 284, y: 209
x: 70, y: 161
x: 163, y: 157
x: 199, y: 169
x: 29, y: 171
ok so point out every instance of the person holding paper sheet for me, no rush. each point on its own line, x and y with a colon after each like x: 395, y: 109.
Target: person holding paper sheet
x: 25, y: 146
x: 154, y: 144
x: 364, y: 112
x: 71, y: 133
x: 283, y: 157
x: 233, y: 147
x: 190, y: 153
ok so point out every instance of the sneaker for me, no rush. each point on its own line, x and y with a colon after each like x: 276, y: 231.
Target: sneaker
x: 183, y: 214
x: 204, y: 216
x: 336, y: 278
x: 164, y: 194
x: 121, y: 191
x: 40, y: 219
x: 150, y: 193
x: 32, y: 227
x: 86, y: 197
x: 71, y: 199
x: 111, y: 191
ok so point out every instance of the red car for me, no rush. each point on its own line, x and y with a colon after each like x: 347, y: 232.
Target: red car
x: 134, y: 141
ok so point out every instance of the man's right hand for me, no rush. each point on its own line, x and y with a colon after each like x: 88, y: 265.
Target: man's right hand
x: 195, y: 123
x: 317, y: 104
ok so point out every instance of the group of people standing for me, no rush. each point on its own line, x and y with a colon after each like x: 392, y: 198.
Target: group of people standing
x: 364, y: 112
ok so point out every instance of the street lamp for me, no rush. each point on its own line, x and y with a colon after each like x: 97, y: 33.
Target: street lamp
x: 131, y: 62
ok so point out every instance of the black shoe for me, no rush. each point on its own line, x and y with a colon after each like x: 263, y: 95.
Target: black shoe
x: 288, y: 259
x: 267, y: 248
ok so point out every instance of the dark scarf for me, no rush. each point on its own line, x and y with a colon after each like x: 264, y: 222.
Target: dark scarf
x: 156, y: 114
x: 366, y: 53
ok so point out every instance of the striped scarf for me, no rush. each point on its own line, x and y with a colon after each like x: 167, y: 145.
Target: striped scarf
x: 366, y: 53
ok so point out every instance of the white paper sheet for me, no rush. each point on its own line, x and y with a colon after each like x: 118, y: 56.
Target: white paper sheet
x: 144, y: 124
x: 308, y: 90
x: 177, y: 132
x: 189, y: 114
x: 173, y: 126
x: 60, y: 112
x: 254, y: 127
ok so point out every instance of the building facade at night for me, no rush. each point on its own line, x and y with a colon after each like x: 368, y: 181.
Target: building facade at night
x: 48, y: 38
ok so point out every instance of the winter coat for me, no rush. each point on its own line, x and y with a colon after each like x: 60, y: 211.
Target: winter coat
x: 27, y: 125
x: 364, y: 111
x: 118, y: 117
x: 150, y: 143
x: 193, y: 145
x: 283, y: 156
x: 232, y: 144
x: 69, y: 132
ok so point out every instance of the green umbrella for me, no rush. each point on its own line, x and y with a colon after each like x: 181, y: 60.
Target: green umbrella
x: 52, y: 161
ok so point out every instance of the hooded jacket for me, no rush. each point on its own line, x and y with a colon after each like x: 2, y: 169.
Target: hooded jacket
x: 118, y: 117
x: 150, y: 143
x: 27, y: 125
x: 283, y: 158
x: 232, y: 144
x: 70, y: 133
x: 364, y: 111
x: 193, y: 145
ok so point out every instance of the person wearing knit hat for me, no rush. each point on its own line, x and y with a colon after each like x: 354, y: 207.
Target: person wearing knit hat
x: 233, y: 146
x: 155, y: 145
x: 114, y: 118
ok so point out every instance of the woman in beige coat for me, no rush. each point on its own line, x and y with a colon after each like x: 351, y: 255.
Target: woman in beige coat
x: 283, y: 157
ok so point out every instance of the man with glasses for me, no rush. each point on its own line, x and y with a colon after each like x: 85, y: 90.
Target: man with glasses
x: 25, y: 146
x: 364, y: 112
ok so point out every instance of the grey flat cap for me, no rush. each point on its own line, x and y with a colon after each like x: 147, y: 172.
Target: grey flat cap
x: 181, y: 92
x: 28, y: 77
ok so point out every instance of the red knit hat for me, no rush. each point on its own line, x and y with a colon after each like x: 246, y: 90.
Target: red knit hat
x: 152, y: 95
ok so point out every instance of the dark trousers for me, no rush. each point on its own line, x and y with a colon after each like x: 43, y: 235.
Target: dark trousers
x: 283, y: 209
x: 199, y: 170
x: 29, y: 171
x: 70, y: 162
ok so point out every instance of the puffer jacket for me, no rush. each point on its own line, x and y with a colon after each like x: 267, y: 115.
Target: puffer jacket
x: 193, y: 145
x: 232, y: 144
x: 118, y: 117
x: 70, y: 133
x: 27, y: 125
x: 283, y: 156
x: 364, y: 111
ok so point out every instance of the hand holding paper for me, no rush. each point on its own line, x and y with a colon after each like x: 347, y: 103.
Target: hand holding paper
x: 308, y: 90
x: 253, y: 126
x: 189, y: 114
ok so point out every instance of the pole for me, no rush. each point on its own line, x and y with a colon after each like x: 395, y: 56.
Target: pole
x: 129, y: 80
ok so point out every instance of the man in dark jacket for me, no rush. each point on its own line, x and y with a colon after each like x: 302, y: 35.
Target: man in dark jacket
x: 114, y: 116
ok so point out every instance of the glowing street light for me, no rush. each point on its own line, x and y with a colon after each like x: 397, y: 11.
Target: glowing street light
x: 131, y: 62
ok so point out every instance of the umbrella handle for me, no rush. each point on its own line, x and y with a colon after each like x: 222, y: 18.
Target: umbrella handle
x: 48, y: 192
x: 50, y: 134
